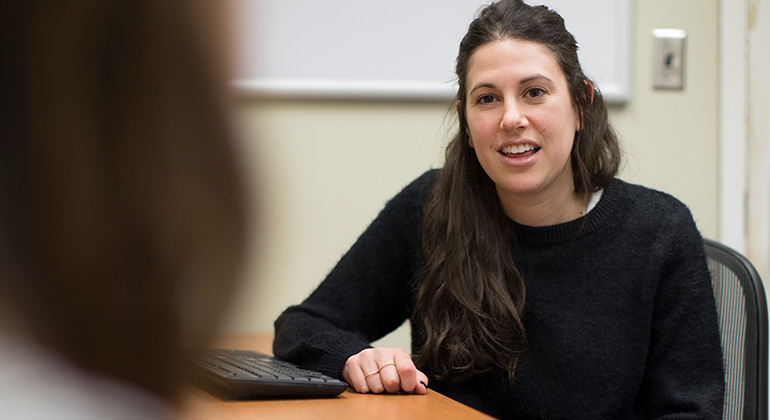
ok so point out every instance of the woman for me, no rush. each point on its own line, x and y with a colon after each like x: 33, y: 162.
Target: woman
x: 537, y: 284
x: 121, y: 215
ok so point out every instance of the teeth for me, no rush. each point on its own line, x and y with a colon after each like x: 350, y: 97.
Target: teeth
x: 518, y: 149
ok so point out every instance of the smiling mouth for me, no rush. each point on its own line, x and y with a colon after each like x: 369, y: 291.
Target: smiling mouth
x: 520, y: 151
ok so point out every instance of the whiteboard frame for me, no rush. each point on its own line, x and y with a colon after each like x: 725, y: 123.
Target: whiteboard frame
x: 616, y: 92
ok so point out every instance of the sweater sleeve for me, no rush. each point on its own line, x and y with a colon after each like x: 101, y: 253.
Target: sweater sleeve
x: 684, y: 378
x: 365, y: 296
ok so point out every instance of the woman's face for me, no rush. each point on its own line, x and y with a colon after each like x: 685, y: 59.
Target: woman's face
x: 521, y: 121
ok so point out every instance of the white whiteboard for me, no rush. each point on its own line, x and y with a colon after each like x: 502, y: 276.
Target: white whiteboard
x: 399, y: 49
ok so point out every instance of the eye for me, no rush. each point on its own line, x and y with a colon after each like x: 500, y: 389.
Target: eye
x: 535, y: 92
x: 485, y: 99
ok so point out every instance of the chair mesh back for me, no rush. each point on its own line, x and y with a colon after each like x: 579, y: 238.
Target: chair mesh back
x: 731, y: 307
x: 740, y: 323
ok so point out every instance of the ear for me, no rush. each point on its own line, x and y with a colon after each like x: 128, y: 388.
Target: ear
x: 590, y: 88
x: 590, y: 91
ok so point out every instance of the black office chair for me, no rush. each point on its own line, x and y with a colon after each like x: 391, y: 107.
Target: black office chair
x: 742, y: 310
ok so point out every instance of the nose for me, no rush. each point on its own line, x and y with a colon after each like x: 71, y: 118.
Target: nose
x: 513, y: 116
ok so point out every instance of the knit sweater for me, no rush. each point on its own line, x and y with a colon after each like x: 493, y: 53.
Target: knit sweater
x: 620, y: 315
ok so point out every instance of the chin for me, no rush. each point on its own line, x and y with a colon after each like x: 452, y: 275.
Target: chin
x: 518, y: 187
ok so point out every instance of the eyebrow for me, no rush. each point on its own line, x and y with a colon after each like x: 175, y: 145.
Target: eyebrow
x: 536, y: 76
x: 482, y: 85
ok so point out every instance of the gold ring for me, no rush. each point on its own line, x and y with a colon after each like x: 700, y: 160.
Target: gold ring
x: 386, y: 365
x: 370, y: 373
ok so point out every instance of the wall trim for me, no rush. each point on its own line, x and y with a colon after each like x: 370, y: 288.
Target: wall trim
x: 733, y: 123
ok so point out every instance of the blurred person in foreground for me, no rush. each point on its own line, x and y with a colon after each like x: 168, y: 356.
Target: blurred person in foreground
x: 121, y: 217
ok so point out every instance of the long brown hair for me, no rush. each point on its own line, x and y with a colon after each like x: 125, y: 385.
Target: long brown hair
x: 121, y: 216
x: 472, y: 300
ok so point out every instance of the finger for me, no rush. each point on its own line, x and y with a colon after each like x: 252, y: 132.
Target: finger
x: 422, y: 381
x: 374, y: 381
x: 390, y: 378
x: 370, y: 370
x: 380, y: 357
x: 354, y: 375
x: 407, y: 372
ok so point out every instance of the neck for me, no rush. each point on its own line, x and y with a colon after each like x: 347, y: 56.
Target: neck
x: 545, y: 210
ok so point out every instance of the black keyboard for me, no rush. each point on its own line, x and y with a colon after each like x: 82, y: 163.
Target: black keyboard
x: 245, y: 373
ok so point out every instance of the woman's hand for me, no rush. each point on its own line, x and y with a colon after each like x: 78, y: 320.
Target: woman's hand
x: 383, y: 369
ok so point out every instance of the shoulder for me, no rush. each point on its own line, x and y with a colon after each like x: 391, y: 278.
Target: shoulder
x: 424, y: 183
x: 417, y: 191
x: 405, y: 209
x: 642, y: 193
x: 644, y: 202
x: 69, y: 393
x: 653, y: 215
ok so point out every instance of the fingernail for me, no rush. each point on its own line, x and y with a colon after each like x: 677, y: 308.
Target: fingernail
x: 424, y: 384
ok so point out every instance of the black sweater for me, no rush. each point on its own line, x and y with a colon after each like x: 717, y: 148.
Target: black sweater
x: 620, y: 319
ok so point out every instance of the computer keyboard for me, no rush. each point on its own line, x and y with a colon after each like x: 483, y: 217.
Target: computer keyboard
x: 246, y: 373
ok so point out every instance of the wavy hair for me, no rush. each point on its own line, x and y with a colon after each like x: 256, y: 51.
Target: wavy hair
x: 472, y: 301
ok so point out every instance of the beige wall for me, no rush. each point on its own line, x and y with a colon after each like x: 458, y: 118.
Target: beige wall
x: 324, y: 169
x: 671, y: 137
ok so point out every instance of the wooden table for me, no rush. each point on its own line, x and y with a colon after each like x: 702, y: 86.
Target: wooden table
x: 199, y: 405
